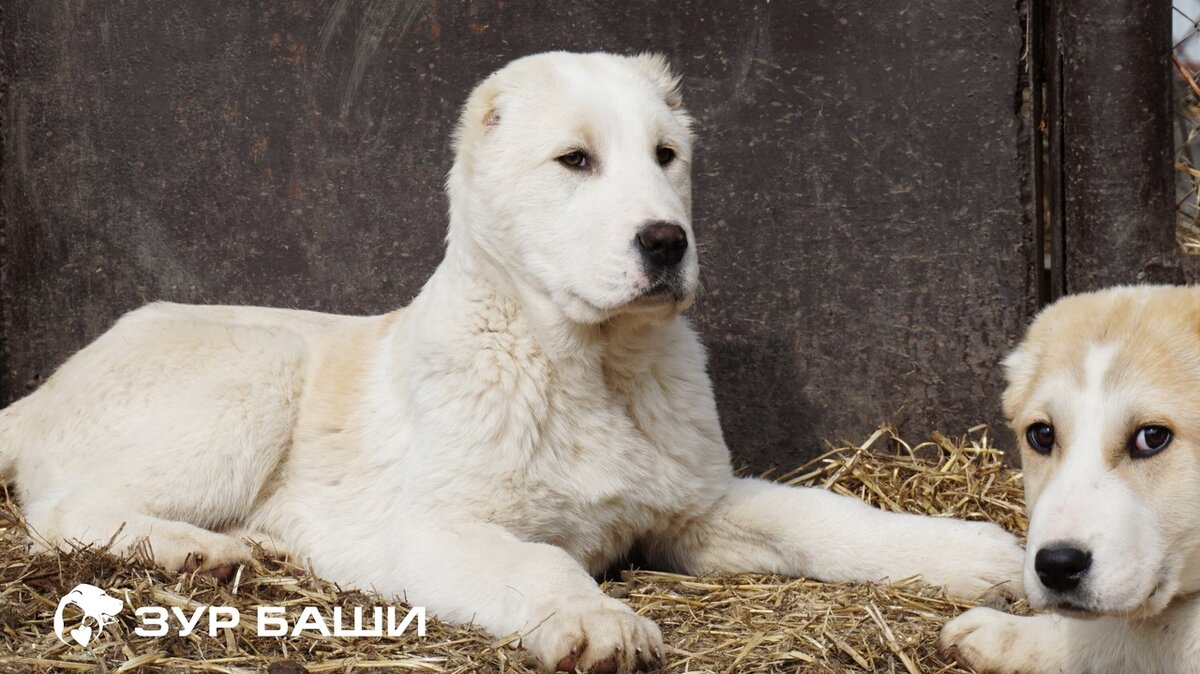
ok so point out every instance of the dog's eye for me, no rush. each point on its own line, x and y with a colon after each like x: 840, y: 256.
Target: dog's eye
x: 1149, y: 440
x: 1040, y: 437
x: 664, y: 155
x: 575, y: 160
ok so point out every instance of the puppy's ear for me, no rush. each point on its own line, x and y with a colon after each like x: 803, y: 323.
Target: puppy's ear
x: 656, y: 69
x: 1020, y: 366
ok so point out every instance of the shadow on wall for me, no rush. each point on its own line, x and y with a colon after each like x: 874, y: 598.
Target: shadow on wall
x: 760, y: 397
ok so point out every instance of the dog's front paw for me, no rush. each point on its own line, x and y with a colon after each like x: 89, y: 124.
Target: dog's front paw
x: 988, y: 641
x: 192, y: 550
x: 983, y: 560
x: 597, y: 635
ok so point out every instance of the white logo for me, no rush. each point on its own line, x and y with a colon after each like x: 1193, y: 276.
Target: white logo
x: 272, y: 621
x: 98, y: 610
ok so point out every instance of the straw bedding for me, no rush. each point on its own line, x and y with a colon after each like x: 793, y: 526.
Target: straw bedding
x: 746, y: 623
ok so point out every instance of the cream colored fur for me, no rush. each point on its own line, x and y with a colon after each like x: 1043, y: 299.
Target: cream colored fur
x: 1098, y: 367
x: 531, y: 417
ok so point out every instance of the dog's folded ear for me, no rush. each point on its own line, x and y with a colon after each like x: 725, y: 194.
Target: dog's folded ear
x: 1020, y: 366
x: 482, y: 110
x: 655, y: 67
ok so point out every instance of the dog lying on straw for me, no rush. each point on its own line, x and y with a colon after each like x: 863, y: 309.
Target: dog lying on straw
x: 537, y: 411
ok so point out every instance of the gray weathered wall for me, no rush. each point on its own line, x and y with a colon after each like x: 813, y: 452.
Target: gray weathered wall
x: 866, y: 252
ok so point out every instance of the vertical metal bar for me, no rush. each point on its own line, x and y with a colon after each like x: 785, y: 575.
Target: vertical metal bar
x: 1115, y: 143
x: 1053, y: 146
x: 1034, y: 81
x: 8, y: 36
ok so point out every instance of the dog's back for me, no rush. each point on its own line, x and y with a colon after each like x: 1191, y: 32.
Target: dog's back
x: 172, y: 394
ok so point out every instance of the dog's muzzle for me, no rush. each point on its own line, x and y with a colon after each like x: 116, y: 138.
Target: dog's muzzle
x: 662, y: 245
x: 663, y: 248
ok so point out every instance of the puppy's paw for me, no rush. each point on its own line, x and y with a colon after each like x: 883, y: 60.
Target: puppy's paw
x: 597, y: 635
x: 981, y: 560
x: 988, y: 641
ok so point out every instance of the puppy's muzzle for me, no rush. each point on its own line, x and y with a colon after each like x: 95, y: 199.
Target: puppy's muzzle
x: 1062, y: 566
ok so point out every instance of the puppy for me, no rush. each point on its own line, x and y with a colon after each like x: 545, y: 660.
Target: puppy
x: 1104, y: 396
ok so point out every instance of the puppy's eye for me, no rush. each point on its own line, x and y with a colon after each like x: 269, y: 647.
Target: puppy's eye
x: 1149, y: 440
x: 575, y: 160
x: 664, y: 155
x: 1040, y: 437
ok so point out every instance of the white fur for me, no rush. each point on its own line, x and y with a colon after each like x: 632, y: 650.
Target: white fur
x: 524, y: 423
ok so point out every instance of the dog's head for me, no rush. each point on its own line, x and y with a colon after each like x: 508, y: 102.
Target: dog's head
x: 1104, y: 396
x: 571, y: 177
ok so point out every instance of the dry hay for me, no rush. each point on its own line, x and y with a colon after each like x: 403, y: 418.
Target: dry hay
x: 746, y: 623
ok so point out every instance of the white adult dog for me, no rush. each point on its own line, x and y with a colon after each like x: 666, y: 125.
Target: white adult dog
x: 1105, y: 393
x: 538, y: 410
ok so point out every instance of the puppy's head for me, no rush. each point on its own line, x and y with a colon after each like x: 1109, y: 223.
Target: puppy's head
x: 1104, y: 396
x: 571, y: 177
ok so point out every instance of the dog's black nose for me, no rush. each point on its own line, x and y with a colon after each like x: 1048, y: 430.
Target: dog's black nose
x: 1061, y: 566
x: 663, y: 243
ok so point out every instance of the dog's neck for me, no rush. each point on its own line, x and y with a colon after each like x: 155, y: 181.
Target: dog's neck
x: 466, y: 277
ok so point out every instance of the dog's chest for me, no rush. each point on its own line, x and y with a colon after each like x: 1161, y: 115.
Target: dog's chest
x: 590, y: 452
x: 617, y: 462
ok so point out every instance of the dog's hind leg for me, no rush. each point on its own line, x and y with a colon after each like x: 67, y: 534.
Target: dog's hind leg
x: 82, y: 518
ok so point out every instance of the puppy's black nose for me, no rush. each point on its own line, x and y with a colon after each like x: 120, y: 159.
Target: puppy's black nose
x: 663, y: 243
x: 1061, y: 566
